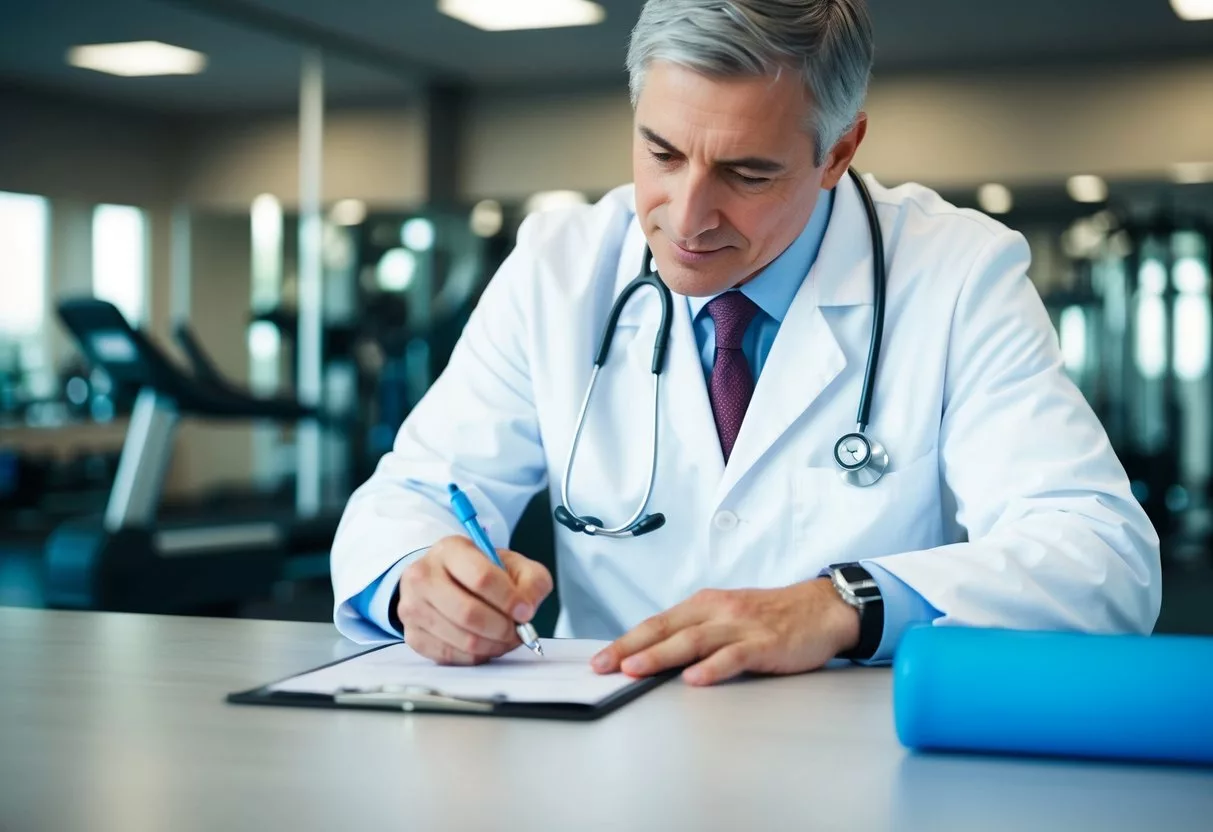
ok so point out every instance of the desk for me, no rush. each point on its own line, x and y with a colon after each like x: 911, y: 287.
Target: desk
x: 116, y: 722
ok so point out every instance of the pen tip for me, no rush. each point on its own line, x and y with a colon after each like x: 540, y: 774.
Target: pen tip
x: 539, y: 648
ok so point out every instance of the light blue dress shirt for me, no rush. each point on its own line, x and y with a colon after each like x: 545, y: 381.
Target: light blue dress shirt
x: 772, y: 290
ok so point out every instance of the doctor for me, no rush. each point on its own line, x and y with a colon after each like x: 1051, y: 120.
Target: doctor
x: 978, y: 489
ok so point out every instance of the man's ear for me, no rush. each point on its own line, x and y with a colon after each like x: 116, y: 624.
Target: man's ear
x: 844, y: 151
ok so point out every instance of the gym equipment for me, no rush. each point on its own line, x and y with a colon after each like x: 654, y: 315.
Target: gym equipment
x: 128, y: 560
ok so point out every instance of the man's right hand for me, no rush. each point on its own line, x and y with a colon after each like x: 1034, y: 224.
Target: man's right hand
x: 458, y: 607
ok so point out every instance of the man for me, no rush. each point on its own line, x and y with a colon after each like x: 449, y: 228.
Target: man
x: 1003, y: 504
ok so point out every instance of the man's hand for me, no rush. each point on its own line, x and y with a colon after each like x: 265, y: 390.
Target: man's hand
x: 458, y: 607
x: 789, y: 630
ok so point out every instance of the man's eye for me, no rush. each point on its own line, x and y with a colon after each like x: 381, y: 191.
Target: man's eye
x: 750, y: 180
x: 662, y: 156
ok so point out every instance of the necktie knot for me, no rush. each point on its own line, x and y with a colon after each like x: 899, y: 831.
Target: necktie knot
x: 732, y: 313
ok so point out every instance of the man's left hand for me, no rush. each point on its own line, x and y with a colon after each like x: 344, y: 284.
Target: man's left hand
x: 727, y: 632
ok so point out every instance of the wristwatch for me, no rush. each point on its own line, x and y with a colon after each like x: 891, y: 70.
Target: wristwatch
x: 856, y: 586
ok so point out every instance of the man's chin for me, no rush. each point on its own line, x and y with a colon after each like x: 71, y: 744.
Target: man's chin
x: 696, y: 282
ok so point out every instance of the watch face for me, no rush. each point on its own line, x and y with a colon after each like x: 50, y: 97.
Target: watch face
x: 854, y: 574
x: 858, y: 583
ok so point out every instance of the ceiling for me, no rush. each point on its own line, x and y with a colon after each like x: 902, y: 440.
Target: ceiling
x: 380, y: 49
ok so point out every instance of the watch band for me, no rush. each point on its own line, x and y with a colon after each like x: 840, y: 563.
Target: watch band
x: 857, y: 587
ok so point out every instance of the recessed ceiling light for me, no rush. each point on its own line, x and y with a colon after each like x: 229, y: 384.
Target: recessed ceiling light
x: 1087, y: 188
x: 139, y: 58
x: 1193, y: 9
x: 994, y: 198
x: 506, y: 15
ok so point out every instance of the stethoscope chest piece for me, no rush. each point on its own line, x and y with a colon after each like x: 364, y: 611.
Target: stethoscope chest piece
x: 861, y: 461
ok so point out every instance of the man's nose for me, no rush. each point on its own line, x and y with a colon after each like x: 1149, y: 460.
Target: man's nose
x: 692, y: 210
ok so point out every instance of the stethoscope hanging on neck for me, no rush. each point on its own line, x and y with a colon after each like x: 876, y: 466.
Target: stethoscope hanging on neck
x: 861, y: 460
x: 639, y: 523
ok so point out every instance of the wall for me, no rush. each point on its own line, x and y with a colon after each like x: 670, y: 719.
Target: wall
x: 944, y: 130
x: 213, y: 454
x: 374, y: 155
x: 1127, y: 122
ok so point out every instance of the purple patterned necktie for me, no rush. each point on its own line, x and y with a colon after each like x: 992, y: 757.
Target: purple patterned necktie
x: 731, y: 385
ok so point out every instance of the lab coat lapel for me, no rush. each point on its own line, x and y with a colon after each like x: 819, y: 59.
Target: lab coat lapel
x: 687, y: 429
x: 806, y: 356
x: 686, y: 397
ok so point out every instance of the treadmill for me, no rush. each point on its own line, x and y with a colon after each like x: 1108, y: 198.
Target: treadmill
x: 129, y: 561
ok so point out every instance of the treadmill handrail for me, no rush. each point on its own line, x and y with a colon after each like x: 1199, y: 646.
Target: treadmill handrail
x: 109, y: 341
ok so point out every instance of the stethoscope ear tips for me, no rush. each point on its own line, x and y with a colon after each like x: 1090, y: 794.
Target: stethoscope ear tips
x: 861, y: 461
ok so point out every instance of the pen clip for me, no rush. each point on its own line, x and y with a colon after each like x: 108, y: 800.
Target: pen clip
x: 412, y: 698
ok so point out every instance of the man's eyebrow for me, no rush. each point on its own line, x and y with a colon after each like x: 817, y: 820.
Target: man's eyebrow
x: 754, y: 163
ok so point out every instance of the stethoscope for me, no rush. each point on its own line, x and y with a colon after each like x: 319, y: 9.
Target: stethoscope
x: 861, y: 460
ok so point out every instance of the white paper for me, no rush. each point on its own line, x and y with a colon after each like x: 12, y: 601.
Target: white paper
x: 561, y: 675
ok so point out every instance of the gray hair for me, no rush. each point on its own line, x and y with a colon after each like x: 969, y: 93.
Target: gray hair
x: 829, y: 42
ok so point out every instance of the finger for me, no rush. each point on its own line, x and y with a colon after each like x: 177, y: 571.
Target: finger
x: 725, y: 663
x: 474, y: 644
x: 484, y: 579
x: 532, y: 579
x: 469, y: 612
x: 680, y: 649
x: 436, y: 649
x: 649, y: 632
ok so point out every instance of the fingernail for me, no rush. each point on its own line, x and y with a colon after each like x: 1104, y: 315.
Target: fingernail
x: 522, y: 613
x: 632, y: 664
x: 601, y: 662
x: 693, y: 676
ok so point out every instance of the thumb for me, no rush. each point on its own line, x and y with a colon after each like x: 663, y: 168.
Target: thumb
x: 533, y: 580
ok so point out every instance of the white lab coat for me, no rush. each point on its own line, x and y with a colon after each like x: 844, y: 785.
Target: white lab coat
x: 1003, y: 504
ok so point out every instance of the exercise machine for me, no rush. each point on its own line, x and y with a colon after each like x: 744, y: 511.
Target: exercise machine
x: 128, y: 559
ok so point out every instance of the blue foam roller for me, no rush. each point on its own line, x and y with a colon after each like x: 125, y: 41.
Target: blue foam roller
x: 1056, y: 694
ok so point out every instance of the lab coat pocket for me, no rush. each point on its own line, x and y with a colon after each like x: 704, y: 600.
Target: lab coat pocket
x: 841, y: 522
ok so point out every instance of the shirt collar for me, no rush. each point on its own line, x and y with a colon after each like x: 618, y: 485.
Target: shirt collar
x: 774, y: 288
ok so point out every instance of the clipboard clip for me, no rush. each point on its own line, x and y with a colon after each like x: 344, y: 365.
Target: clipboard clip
x: 412, y: 698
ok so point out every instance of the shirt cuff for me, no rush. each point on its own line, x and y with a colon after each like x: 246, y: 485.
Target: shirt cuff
x: 903, y: 608
x: 374, y: 603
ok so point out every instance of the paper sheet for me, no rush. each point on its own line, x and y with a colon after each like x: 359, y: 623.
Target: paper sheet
x: 562, y: 675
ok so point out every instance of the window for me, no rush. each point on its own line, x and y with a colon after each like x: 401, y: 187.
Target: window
x: 24, y: 221
x: 1192, y: 318
x: 1151, y: 348
x: 1073, y: 337
x: 120, y: 259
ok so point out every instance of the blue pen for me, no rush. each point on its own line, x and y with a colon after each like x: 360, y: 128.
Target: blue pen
x: 466, y: 514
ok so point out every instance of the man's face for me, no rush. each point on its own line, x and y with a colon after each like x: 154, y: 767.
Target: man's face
x: 724, y: 173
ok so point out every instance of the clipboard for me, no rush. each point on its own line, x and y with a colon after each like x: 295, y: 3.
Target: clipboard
x: 421, y: 698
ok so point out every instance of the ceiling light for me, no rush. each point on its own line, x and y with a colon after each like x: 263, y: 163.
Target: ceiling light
x: 506, y: 15
x: 1192, y: 173
x: 145, y: 57
x: 1193, y: 9
x: 994, y: 198
x: 348, y: 212
x: 1087, y: 188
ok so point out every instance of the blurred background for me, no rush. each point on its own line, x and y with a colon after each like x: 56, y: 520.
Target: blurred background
x: 291, y: 207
